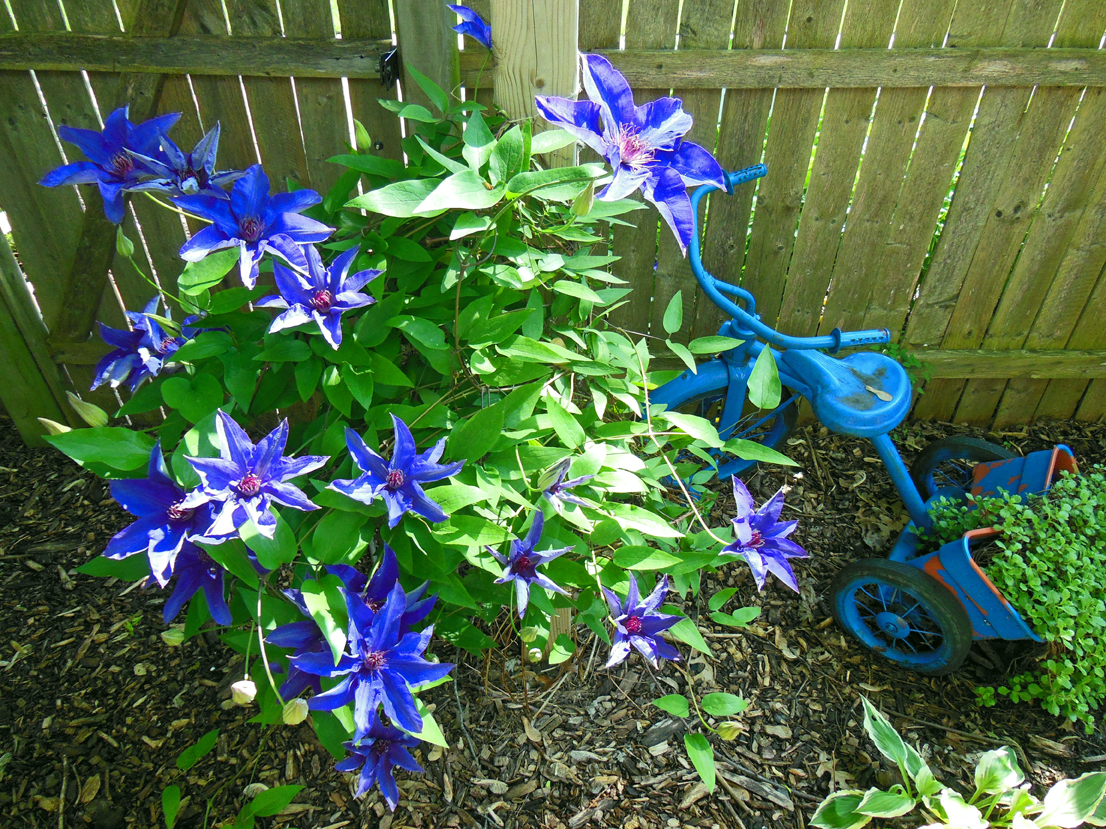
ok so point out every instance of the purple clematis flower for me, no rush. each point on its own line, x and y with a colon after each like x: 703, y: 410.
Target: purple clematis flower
x: 112, y: 164
x: 762, y: 538
x: 382, y: 749
x: 522, y: 566
x: 245, y: 479
x: 472, y: 25
x: 375, y: 591
x: 196, y: 570
x: 382, y: 665
x: 322, y: 294
x: 254, y: 222
x: 638, y: 624
x: 187, y: 174
x: 163, y: 524
x: 555, y: 489
x: 398, y: 480
x: 138, y: 354
x: 643, y: 144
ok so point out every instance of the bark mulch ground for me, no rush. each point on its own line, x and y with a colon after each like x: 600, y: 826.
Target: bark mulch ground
x: 95, y: 708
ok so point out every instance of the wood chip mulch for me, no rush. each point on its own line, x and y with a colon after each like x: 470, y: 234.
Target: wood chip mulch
x: 95, y: 708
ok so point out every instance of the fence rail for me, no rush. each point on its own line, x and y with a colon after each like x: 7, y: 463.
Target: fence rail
x: 935, y: 168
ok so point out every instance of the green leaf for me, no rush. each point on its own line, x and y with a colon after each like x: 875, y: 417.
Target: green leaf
x: 686, y: 632
x: 453, y: 497
x: 720, y: 598
x: 648, y: 522
x: 420, y: 330
x: 170, y: 804
x: 194, y: 397
x: 675, y: 704
x: 712, y: 345
x: 119, y: 449
x: 447, y: 162
x: 326, y: 602
x: 197, y: 277
x: 205, y: 344
x: 838, y: 811
x: 885, y: 737
x: 479, y: 142
x: 285, y: 350
x: 271, y: 552
x: 431, y: 732
x: 231, y: 299
x: 764, y: 382
x: 477, y: 435
x: 525, y: 183
x: 1070, y: 802
x: 401, y: 199
x: 359, y: 383
x: 308, y: 374
x: 336, y: 391
x: 561, y: 651
x: 434, y: 92
x: 372, y: 164
x: 549, y: 140
x: 877, y: 803
x: 685, y: 355
x: 633, y: 557
x: 696, y: 427
x: 575, y: 289
x: 271, y: 801
x: 506, y: 158
x: 194, y: 753
x: 674, y: 314
x: 564, y: 424
x: 738, y: 619
x: 723, y: 705
x: 750, y: 450
x: 232, y: 556
x: 408, y: 250
x: 131, y: 568
x: 337, y: 538
x: 467, y: 224
x: 701, y: 755
x: 997, y: 771
x: 461, y: 190
x: 387, y: 373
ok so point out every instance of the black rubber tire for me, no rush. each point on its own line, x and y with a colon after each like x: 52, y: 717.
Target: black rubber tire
x: 943, y: 636
x: 949, y: 461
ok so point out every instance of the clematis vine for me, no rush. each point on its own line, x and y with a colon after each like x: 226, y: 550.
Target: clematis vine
x: 555, y: 489
x: 472, y: 25
x: 382, y: 665
x: 195, y: 570
x: 187, y: 174
x: 522, y: 565
x: 137, y: 354
x: 322, y: 294
x: 112, y: 156
x: 397, y: 481
x: 254, y: 222
x: 645, y: 145
x: 163, y: 524
x: 244, y: 480
x: 638, y: 624
x: 762, y: 538
x: 382, y: 750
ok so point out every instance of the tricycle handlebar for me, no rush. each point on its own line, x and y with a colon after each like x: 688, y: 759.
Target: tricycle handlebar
x: 714, y: 288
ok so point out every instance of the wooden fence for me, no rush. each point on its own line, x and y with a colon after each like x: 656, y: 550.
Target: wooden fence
x: 938, y: 174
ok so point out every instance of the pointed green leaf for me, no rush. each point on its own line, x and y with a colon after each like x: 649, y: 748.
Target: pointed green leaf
x: 723, y: 705
x: 701, y: 755
x: 838, y: 811
x: 675, y: 704
x: 673, y: 319
x: 764, y: 382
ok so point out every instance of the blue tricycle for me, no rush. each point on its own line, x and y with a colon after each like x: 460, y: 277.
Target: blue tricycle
x: 918, y: 608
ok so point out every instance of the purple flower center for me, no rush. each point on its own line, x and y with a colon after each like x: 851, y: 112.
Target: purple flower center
x: 757, y: 540
x: 395, y: 479
x: 374, y: 661
x: 121, y: 164
x: 249, y: 485
x: 178, y: 513
x: 375, y: 604
x: 633, y: 624
x: 524, y: 565
x: 322, y: 301
x: 250, y: 228
x: 634, y: 150
x: 166, y: 344
x: 380, y: 747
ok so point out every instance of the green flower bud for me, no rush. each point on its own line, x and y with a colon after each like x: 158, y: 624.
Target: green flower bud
x: 122, y: 244
x: 295, y: 711
x: 172, y: 637
x: 361, y: 135
x: 729, y: 730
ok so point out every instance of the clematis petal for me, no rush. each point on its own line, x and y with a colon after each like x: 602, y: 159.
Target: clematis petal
x: 626, y: 180
x: 80, y: 172
x: 669, y: 195
x: 250, y: 195
x: 399, y: 703
x: 662, y: 123
x: 697, y: 166
x: 341, y: 694
x: 422, y: 505
x: 234, y: 444
x: 404, y: 453
x: 296, y: 315
x: 289, y: 495
x: 619, y: 651
x: 606, y: 86
x: 656, y: 598
x: 208, y: 240
x: 365, y: 458
x: 580, y: 119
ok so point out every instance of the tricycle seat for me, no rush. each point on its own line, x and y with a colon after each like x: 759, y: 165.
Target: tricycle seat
x: 864, y: 395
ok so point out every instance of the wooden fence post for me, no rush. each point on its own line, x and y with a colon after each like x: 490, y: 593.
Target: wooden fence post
x: 428, y: 43
x: 32, y: 387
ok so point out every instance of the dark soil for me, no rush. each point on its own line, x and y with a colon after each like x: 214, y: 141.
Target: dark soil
x: 95, y: 708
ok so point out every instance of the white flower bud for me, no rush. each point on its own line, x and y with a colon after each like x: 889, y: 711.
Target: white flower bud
x: 534, y: 654
x: 529, y: 634
x: 243, y: 691
x: 172, y: 637
x: 295, y: 711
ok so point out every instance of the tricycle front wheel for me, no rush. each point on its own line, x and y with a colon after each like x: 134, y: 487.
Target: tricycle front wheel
x: 903, y: 614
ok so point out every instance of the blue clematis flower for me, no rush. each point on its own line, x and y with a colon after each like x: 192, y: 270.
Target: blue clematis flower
x: 382, y: 665
x: 195, y: 570
x: 643, y: 144
x: 138, y: 354
x: 522, y: 566
x: 397, y: 481
x: 382, y: 749
x: 322, y: 294
x: 472, y: 25
x: 245, y: 479
x: 375, y: 591
x: 555, y: 489
x: 112, y: 164
x: 254, y: 222
x: 762, y: 538
x: 187, y: 174
x: 639, y: 625
x: 163, y: 524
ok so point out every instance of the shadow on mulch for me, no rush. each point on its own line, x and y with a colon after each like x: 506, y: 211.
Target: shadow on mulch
x: 94, y: 708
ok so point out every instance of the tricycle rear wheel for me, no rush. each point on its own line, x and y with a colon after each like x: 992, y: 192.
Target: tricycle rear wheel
x: 948, y: 462
x: 903, y: 614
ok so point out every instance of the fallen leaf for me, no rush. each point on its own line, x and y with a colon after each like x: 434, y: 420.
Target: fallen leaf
x: 881, y: 394
x: 90, y: 789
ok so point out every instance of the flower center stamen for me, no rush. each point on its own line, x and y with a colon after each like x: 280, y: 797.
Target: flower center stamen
x: 375, y: 605
x: 178, y: 513
x: 121, y: 164
x: 757, y: 540
x: 633, y: 624
x: 250, y: 228
x: 373, y: 661
x: 395, y: 479
x: 634, y: 150
x: 322, y: 301
x: 380, y: 747
x: 524, y: 564
x: 166, y: 344
x: 249, y: 485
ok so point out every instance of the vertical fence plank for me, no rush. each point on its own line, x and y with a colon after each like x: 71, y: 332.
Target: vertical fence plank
x: 703, y: 25
x: 483, y: 93
x: 370, y: 19
x: 524, y: 70
x: 813, y: 25
x: 943, y: 313
x: 1090, y: 333
x: 1041, y: 133
x: 428, y: 43
x: 845, y: 122
x: 857, y: 273
x: 650, y: 24
x: 759, y: 24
